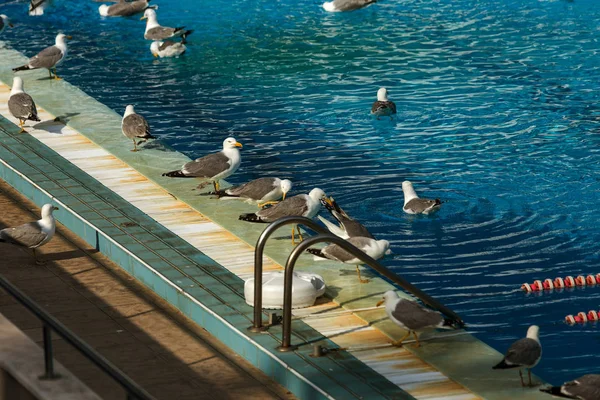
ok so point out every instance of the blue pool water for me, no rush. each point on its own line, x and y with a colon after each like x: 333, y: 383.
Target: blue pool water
x: 497, y: 116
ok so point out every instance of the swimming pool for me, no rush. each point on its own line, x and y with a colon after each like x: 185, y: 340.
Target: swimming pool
x: 496, y: 116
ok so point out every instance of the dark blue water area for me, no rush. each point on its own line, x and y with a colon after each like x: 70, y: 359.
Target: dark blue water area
x: 497, y: 116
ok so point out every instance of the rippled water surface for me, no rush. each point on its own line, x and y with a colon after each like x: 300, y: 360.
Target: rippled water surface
x: 497, y: 116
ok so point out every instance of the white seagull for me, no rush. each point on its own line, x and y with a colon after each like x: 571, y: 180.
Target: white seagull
x: 263, y: 190
x: 411, y: 316
x: 156, y: 32
x: 37, y: 7
x: 383, y: 106
x: 4, y: 22
x: 48, y: 58
x: 524, y: 353
x: 169, y: 48
x: 347, y: 226
x: 415, y: 205
x: 21, y: 105
x: 33, y: 234
x: 134, y: 126
x: 213, y: 166
x: 346, y: 5
x: 123, y: 8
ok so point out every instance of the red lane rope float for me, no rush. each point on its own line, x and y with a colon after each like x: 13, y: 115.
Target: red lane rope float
x: 582, y: 318
x: 560, y: 283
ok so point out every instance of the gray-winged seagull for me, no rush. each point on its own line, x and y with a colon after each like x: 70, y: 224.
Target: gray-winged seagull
x: 302, y: 205
x: 213, y: 166
x: 415, y: 205
x: 123, y: 8
x: 586, y: 387
x: 264, y: 190
x: 411, y: 316
x: 346, y: 5
x: 383, y: 106
x: 33, y: 234
x: 169, y: 48
x: 21, y: 105
x: 373, y: 248
x: 134, y: 126
x: 48, y: 58
x: 4, y: 22
x: 524, y: 353
x: 156, y: 32
x: 348, y: 227
x: 37, y: 7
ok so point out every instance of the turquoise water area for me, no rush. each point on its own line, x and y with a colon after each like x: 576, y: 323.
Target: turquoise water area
x: 497, y: 116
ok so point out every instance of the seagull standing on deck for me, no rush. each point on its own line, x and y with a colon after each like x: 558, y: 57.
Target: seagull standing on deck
x: 134, y: 126
x: 524, y: 353
x: 302, y: 205
x: 383, y: 106
x: 213, y: 166
x: 371, y: 247
x: 4, y: 22
x: 411, y: 316
x: 48, y: 58
x: 33, y: 234
x: 264, y: 190
x: 414, y: 205
x: 21, y: 105
x: 156, y: 32
x: 346, y: 5
x: 586, y: 387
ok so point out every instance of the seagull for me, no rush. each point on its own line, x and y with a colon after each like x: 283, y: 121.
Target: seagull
x: 346, y: 5
x: 411, y: 316
x: 214, y: 166
x: 524, y: 353
x: 33, y: 234
x: 123, y: 8
x: 302, y: 205
x: 48, y: 58
x: 169, y: 48
x: 264, y: 190
x: 37, y: 7
x: 156, y: 32
x: 4, y: 21
x: 135, y: 126
x: 586, y: 387
x: 21, y: 105
x: 383, y: 106
x: 373, y: 248
x: 348, y: 227
x: 414, y: 205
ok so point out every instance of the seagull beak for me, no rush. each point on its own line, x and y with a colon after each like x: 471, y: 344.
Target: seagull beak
x: 388, y: 252
x: 380, y: 302
x: 143, y: 18
x: 283, y: 196
x: 55, y: 208
x: 155, y: 55
x: 69, y: 37
x: 11, y: 25
x: 238, y: 144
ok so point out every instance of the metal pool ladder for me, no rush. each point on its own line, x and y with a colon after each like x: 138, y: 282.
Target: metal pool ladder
x: 322, y: 236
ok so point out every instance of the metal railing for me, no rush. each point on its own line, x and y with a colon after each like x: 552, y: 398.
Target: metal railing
x: 134, y: 392
x: 323, y: 236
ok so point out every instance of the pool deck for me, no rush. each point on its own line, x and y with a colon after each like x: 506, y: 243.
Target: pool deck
x: 192, y: 251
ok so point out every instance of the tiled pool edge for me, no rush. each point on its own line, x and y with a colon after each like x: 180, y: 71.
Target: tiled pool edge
x: 248, y: 347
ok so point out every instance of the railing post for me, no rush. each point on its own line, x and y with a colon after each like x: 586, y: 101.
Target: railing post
x: 257, y: 325
x: 48, y: 355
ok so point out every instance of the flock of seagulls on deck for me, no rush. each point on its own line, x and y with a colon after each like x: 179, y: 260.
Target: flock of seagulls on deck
x: 269, y: 192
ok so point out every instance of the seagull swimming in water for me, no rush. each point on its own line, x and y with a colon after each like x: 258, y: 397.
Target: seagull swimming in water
x: 33, y: 234
x: 524, y: 353
x: 37, y: 7
x: 213, y: 166
x: 124, y: 8
x: 169, y: 48
x: 383, y: 106
x: 412, y: 316
x: 48, y: 58
x: 21, y: 105
x: 415, y: 205
x: 346, y: 5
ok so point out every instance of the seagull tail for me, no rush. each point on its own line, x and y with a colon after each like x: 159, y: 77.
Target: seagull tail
x: 554, y: 390
x: 175, y: 174
x: 319, y: 256
x: 22, y: 68
x: 34, y: 117
x: 333, y: 228
x: 251, y: 217
x: 503, y: 365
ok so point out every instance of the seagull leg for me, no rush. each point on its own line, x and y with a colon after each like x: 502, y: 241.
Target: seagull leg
x: 521, y: 375
x: 529, y: 372
x: 398, y: 343
x: 21, y: 125
x: 416, y: 339
x: 37, y: 262
x: 50, y: 73
x: 299, y: 233
x: 293, y: 235
x: 134, y: 146
x: 56, y: 76
x: 261, y: 205
x: 216, y: 186
x: 359, y: 278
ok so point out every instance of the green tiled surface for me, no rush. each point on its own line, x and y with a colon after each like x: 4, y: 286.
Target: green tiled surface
x: 209, y: 283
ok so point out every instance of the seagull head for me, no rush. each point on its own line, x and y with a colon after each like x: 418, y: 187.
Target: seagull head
x: 231, y: 143
x: 384, y: 245
x: 149, y: 14
x: 533, y: 332
x: 317, y: 194
x: 409, y: 191
x: 6, y: 20
x: 388, y: 296
x: 17, y: 86
x: 154, y: 48
x: 129, y: 110
x: 286, y: 186
x: 382, y: 94
x: 47, y: 210
x: 61, y: 37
